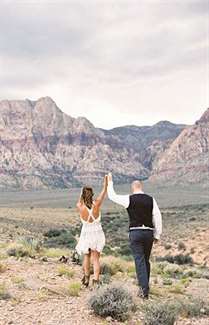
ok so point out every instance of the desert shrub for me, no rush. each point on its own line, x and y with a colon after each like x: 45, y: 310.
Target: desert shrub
x: 172, y: 270
x: 167, y: 282
x: 178, y: 259
x: 66, y: 271
x: 108, y: 250
x: 2, y: 268
x: 155, y: 291
x: 131, y: 268
x: 161, y: 313
x: 106, y: 278
x: 168, y: 246
x: 55, y: 252
x: 74, y: 289
x: 194, y: 308
x: 59, y: 238
x: 115, y: 227
x: 192, y: 219
x: 181, y: 246
x: 185, y: 281
x: 4, y: 295
x: 202, y: 272
x: 17, y: 280
x: 42, y: 294
x: 32, y: 245
x: 177, y: 289
x: 158, y: 268
x: 113, y: 301
x: 113, y: 265
x: 192, y: 250
x: 17, y: 250
x: 191, y: 273
x: 183, y: 259
x: 76, y: 258
x: 105, y: 269
x: 24, y: 247
x: 124, y: 249
x: 54, y: 232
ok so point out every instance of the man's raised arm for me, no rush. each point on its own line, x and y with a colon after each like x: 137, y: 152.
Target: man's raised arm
x: 123, y: 200
x: 157, y: 220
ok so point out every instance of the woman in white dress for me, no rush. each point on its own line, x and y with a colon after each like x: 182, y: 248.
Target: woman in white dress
x: 92, y: 238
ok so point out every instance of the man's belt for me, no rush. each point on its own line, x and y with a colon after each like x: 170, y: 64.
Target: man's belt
x: 141, y: 227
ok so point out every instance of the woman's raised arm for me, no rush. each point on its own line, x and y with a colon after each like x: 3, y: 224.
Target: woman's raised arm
x: 79, y: 202
x: 103, y: 193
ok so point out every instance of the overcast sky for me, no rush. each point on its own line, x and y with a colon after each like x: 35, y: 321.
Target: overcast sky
x: 115, y: 62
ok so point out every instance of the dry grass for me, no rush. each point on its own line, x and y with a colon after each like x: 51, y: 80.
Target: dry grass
x: 116, y: 264
x: 3, y: 268
x: 66, y: 271
x: 4, y: 294
x: 55, y: 252
x: 74, y: 289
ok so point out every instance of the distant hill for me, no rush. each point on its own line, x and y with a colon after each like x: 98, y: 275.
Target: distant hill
x: 187, y: 157
x: 148, y: 141
x: 42, y: 147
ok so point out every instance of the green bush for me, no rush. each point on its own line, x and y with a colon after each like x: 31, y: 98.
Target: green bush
x: 108, y: 250
x: 74, y: 289
x: 2, y: 268
x: 32, y: 245
x: 194, y: 308
x: 173, y: 270
x: 105, y: 269
x: 17, y: 250
x: 181, y: 246
x: 168, y: 246
x: 158, y: 268
x: 161, y: 313
x: 106, y: 278
x: 113, y: 265
x: 124, y: 249
x: 113, y: 301
x: 59, y: 238
x: 24, y: 247
x: 178, y: 259
x: 66, y: 271
x: 167, y: 282
x: 55, y: 252
x: 54, y: 233
x: 4, y: 295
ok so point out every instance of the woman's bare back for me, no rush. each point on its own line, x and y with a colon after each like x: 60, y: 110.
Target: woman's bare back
x: 96, y: 205
x: 85, y: 211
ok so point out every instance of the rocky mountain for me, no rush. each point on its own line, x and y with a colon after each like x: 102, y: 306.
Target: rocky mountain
x: 41, y: 147
x: 187, y: 158
x: 148, y: 141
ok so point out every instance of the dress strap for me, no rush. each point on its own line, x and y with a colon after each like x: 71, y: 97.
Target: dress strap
x: 91, y: 215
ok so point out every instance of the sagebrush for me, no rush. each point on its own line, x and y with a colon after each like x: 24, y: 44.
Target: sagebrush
x: 113, y: 301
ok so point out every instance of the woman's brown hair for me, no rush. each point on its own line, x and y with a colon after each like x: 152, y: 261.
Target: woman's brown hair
x: 87, y: 196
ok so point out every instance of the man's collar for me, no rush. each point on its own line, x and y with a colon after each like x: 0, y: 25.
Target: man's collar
x: 138, y: 192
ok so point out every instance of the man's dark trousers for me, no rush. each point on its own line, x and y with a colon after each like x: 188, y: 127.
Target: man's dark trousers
x: 141, y: 241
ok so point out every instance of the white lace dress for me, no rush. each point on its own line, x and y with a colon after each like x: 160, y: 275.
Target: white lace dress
x: 92, y: 235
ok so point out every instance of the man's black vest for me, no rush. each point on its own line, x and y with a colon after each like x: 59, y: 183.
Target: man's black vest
x: 140, y: 210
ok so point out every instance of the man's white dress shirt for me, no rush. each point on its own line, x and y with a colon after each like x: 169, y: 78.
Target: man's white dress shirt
x: 124, y: 200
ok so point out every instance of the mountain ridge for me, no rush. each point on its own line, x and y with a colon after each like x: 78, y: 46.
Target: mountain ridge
x: 187, y: 158
x: 43, y: 147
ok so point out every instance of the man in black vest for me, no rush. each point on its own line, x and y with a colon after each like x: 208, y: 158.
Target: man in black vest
x: 145, y: 226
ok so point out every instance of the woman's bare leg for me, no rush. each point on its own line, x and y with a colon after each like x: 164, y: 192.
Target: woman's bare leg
x: 96, y: 264
x: 86, y: 264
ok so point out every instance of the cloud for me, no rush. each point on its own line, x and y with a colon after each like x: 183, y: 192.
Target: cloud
x: 106, y: 54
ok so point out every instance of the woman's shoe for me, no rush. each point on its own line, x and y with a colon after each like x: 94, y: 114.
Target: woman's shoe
x: 96, y: 284
x: 85, y: 280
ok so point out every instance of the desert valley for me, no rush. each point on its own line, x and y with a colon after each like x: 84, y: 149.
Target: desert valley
x: 46, y: 156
